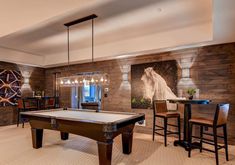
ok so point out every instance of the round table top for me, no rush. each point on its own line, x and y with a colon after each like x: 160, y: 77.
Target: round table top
x: 194, y: 101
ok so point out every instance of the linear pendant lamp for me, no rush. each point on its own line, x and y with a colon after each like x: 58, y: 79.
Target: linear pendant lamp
x: 84, y: 78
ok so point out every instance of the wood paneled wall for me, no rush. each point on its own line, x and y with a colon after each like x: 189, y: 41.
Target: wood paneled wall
x: 212, y: 72
x: 8, y: 114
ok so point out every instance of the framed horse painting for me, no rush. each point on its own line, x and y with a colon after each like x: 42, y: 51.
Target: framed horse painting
x: 153, y: 81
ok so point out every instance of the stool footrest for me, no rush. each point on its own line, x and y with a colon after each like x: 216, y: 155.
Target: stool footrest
x: 172, y: 125
x: 168, y: 132
x: 210, y: 134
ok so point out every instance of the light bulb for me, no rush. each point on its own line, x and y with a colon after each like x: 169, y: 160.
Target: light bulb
x: 92, y: 80
x: 61, y: 82
x: 84, y: 80
x: 102, y: 79
x: 76, y: 81
x: 68, y: 82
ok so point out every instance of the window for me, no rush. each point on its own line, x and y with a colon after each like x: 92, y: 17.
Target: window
x: 74, y: 97
x: 89, y: 93
x: 86, y: 93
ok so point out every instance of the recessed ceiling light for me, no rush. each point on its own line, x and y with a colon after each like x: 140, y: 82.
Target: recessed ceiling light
x: 159, y: 9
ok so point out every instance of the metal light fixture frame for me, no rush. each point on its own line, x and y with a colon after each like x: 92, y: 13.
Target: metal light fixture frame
x: 85, y: 78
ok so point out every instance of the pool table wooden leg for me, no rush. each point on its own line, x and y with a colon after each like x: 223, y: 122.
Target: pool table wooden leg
x: 37, y: 136
x: 64, y: 135
x: 105, y: 152
x: 127, y: 138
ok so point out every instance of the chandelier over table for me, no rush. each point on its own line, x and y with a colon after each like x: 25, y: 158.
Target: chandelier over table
x: 85, y: 78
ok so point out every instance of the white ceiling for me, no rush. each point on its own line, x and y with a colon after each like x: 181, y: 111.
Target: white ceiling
x: 37, y: 35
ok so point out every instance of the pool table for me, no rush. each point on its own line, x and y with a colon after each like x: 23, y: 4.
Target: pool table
x: 102, y: 126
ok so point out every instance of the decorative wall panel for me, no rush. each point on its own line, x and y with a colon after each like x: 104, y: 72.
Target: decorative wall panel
x: 10, y: 84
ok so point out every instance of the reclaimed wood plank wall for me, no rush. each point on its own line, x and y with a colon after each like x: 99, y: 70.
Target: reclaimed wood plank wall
x: 212, y: 72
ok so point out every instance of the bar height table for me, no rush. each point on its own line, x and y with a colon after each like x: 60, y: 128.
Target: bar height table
x: 187, y: 116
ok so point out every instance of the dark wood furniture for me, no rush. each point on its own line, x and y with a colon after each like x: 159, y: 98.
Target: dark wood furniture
x: 47, y: 103
x: 160, y: 111
x: 220, y: 120
x: 20, y: 107
x: 90, y: 105
x: 34, y: 103
x: 27, y: 104
x: 100, y: 126
x: 187, y: 117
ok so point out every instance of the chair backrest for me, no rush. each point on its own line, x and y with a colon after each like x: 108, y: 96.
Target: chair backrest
x: 20, y: 104
x: 221, y: 114
x: 30, y: 103
x: 91, y: 105
x: 50, y: 102
x: 159, y: 106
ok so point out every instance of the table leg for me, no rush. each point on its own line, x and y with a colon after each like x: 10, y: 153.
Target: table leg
x: 64, y: 135
x: 105, y: 152
x: 127, y: 138
x: 37, y: 136
x: 187, y: 116
x: 185, y: 142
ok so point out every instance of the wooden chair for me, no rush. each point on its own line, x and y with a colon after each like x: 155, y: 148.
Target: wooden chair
x: 160, y: 111
x: 20, y: 107
x: 50, y: 103
x: 220, y: 120
x: 28, y: 105
x: 90, y: 105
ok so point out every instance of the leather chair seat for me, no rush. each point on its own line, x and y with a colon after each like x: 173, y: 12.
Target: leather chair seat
x: 168, y: 114
x: 201, y: 120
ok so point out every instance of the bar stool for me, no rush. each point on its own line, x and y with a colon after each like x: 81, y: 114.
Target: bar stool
x: 160, y: 111
x: 220, y: 120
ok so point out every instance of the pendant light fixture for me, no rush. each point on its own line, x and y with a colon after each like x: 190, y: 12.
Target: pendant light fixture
x: 85, y: 78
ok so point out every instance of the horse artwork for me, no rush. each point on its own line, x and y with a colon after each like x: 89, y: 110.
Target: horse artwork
x: 153, y: 81
x: 155, y: 86
x: 10, y: 84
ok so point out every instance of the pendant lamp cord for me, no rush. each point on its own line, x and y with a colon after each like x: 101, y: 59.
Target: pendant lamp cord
x: 68, y: 47
x: 92, y: 39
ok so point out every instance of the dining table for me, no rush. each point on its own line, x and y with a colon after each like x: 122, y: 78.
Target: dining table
x: 187, y: 116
